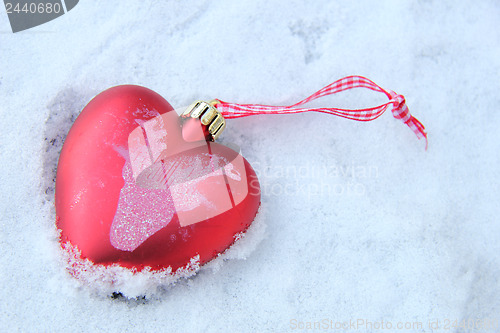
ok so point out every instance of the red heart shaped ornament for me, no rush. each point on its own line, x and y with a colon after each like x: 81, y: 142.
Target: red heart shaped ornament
x: 136, y: 189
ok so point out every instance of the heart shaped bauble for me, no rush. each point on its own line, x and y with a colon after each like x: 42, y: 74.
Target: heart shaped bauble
x: 140, y: 187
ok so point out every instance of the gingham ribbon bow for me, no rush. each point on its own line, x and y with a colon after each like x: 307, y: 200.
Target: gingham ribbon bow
x: 399, y: 108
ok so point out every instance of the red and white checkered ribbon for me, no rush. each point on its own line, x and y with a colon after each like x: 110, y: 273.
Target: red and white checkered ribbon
x: 399, y: 108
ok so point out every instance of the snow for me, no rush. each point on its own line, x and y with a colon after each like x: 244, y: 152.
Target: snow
x: 413, y: 240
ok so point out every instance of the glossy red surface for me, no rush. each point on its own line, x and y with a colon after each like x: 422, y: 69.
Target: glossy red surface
x: 111, y: 218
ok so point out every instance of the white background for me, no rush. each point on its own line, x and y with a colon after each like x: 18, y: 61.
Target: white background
x: 419, y: 243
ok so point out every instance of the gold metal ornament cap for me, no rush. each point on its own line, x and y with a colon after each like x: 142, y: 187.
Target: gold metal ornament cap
x: 209, y: 117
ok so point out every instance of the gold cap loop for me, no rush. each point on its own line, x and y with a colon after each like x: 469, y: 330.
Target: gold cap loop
x: 208, y: 115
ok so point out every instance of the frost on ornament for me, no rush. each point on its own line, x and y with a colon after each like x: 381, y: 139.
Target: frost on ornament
x: 117, y: 281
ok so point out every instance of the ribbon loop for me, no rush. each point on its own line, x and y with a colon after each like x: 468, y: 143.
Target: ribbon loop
x: 400, y: 110
x: 397, y: 101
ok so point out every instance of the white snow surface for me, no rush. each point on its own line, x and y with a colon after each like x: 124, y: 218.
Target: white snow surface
x: 362, y: 223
